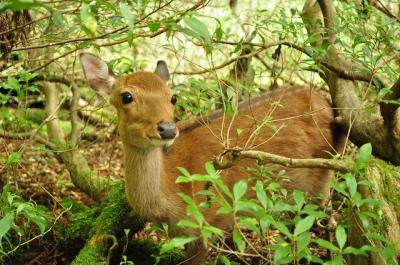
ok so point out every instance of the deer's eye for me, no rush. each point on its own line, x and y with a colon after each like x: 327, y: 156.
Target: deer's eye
x: 174, y: 98
x: 126, y: 98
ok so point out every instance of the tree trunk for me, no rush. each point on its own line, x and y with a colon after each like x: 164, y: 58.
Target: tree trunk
x: 384, y: 178
x: 385, y: 187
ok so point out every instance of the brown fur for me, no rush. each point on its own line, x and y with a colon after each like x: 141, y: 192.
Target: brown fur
x: 150, y: 173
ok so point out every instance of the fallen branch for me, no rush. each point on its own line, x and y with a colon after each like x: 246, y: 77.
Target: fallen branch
x: 231, y: 156
x: 26, y: 135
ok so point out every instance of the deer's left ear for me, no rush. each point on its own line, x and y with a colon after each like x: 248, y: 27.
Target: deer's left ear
x: 97, y: 73
x: 162, y: 70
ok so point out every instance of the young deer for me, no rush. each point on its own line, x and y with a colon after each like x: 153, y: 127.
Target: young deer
x: 145, y: 106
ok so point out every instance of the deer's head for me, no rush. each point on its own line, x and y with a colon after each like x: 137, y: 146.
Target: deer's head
x: 144, y: 102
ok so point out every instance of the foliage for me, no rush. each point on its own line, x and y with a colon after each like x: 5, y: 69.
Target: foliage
x: 19, y: 220
x: 290, y: 218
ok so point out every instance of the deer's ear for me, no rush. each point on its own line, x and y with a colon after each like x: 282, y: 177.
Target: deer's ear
x: 97, y: 73
x: 162, y: 70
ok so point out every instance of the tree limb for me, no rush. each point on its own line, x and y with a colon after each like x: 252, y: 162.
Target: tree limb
x: 230, y: 156
x: 342, y: 72
x: 362, y: 127
x: 81, y: 174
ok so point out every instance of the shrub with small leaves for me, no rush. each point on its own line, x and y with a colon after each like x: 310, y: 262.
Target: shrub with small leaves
x: 19, y: 220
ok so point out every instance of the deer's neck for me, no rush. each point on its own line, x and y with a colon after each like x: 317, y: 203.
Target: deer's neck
x: 146, y: 187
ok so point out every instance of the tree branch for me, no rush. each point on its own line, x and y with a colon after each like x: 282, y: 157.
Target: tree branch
x: 381, y: 7
x: 231, y: 156
x: 342, y: 72
x: 81, y: 174
x: 362, y: 127
x: 388, y: 108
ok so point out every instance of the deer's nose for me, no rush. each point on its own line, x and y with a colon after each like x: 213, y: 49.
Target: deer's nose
x: 167, y: 130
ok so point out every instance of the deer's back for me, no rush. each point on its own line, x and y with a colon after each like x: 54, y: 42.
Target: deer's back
x: 301, y: 127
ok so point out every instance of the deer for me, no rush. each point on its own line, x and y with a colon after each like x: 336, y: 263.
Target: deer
x: 154, y: 147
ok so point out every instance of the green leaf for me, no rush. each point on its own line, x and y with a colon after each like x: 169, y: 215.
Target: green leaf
x: 128, y: 15
x: 364, y: 154
x: 239, y: 189
x: 224, y: 260
x: 153, y: 26
x: 282, y: 254
x: 198, y: 27
x: 351, y: 183
x: 224, y: 211
x: 130, y: 38
x: 302, y: 241
x: 88, y: 20
x: 219, y: 33
x: 58, y: 18
x: 250, y: 206
x: 221, y: 185
x: 5, y: 224
x: 326, y: 244
x: 264, y: 224
x: 304, y: 225
x: 183, y: 179
x: 251, y: 224
x: 192, y: 208
x: 238, y: 239
x: 187, y: 223
x: 278, y: 225
x: 16, y: 5
x: 13, y: 83
x: 261, y: 195
x: 184, y: 171
x: 389, y: 252
x: 22, y: 206
x: 176, y: 242
x: 337, y: 260
x: 210, y: 169
x: 354, y: 251
x: 298, y: 197
x: 211, y: 230
x: 341, y: 236
x: 107, y: 5
x: 376, y: 236
x: 186, y: 198
x: 13, y: 158
x: 40, y: 221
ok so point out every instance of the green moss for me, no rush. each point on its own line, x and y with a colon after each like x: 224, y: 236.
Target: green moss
x: 112, y: 217
x: 73, y: 234
x: 389, y: 183
x: 90, y: 254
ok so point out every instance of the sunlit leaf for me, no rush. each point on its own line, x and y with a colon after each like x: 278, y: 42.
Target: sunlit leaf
x: 177, y: 242
x: 239, y: 189
x: 304, y: 225
x: 5, y: 224
x: 238, y: 239
x: 341, y: 236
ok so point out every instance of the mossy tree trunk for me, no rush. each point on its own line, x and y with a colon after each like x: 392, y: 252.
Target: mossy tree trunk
x: 385, y: 188
x: 340, y: 77
x: 114, y: 217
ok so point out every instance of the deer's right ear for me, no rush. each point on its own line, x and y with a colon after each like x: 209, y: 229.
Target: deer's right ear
x: 97, y: 73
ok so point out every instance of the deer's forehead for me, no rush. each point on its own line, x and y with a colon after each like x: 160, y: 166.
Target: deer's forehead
x: 142, y: 81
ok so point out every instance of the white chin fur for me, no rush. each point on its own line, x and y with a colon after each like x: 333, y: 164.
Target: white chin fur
x: 160, y: 143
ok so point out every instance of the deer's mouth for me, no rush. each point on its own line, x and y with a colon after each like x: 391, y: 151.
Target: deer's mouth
x: 157, y: 142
